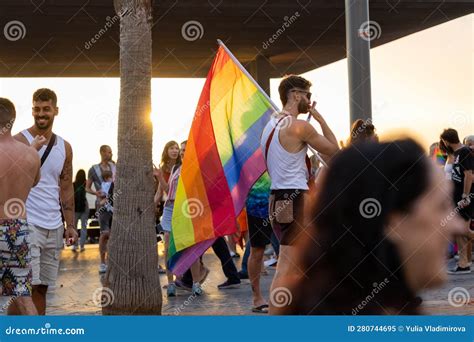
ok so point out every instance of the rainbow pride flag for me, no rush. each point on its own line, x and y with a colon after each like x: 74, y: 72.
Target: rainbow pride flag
x: 223, y: 160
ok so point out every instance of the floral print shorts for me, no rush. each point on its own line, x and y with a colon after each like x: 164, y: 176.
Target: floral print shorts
x: 15, y: 258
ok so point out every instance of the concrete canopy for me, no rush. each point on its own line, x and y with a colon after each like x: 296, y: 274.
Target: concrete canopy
x: 79, y: 38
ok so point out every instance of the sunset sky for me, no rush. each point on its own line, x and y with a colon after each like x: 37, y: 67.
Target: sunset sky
x: 421, y: 84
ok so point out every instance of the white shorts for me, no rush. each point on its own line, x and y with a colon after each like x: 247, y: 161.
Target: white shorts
x: 46, y: 246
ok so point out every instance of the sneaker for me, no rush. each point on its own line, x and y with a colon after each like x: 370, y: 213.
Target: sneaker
x: 83, y: 249
x: 460, y: 270
x: 270, y: 262
x: 171, y: 290
x: 102, y: 268
x: 229, y: 285
x: 182, y: 286
x: 243, y: 275
x: 74, y: 248
x: 197, y: 289
x: 456, y: 257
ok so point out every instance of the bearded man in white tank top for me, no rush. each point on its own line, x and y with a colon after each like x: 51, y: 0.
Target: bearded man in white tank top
x: 285, y: 141
x: 53, y: 193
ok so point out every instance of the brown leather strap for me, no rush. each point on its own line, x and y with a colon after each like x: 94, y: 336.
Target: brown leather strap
x: 270, y: 137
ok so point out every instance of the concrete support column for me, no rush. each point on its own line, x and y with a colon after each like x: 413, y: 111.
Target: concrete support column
x: 260, y: 70
x: 358, y: 59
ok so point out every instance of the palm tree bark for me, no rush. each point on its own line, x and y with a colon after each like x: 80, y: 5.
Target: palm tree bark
x: 132, y: 285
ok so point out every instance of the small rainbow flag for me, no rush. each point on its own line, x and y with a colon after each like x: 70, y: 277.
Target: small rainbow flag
x: 223, y: 160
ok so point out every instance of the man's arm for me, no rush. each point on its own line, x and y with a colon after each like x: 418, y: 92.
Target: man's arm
x: 306, y: 132
x: 67, y: 194
x: 37, y: 168
x: 89, y: 187
x: 327, y: 132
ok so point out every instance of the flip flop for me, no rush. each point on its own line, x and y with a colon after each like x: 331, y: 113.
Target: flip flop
x: 263, y: 309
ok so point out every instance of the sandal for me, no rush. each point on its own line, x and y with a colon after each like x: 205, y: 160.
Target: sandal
x: 263, y: 309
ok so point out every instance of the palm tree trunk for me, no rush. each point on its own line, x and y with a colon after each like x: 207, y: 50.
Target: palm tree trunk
x: 132, y: 284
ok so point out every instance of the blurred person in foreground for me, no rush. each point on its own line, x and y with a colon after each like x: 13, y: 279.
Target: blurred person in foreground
x: 375, y: 240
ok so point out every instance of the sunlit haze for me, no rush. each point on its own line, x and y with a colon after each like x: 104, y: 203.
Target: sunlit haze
x: 421, y: 84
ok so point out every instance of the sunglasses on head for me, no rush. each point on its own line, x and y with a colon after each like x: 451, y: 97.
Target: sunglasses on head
x: 308, y: 94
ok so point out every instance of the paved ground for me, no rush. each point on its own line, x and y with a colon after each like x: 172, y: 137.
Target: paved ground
x: 79, y: 278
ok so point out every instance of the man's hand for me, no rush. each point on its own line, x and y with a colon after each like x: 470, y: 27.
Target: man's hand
x: 38, y: 142
x: 315, y: 114
x: 71, y: 236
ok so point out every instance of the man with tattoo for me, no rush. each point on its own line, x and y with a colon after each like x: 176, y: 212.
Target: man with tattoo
x: 54, y: 193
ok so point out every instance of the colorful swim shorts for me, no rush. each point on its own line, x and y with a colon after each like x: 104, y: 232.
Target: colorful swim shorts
x: 15, y: 258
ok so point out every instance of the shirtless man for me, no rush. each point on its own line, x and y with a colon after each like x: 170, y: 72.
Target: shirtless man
x: 19, y: 172
x: 43, y: 206
x: 285, y: 141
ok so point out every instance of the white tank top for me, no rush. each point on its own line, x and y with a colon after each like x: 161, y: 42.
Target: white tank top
x: 287, y: 170
x: 42, y: 206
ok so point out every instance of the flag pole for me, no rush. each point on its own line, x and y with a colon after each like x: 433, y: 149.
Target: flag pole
x: 275, y: 107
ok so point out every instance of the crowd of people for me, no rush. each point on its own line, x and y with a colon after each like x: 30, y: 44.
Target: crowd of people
x: 353, y: 215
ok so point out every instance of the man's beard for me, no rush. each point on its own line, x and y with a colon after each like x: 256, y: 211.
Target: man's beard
x: 303, y: 107
x: 48, y: 122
